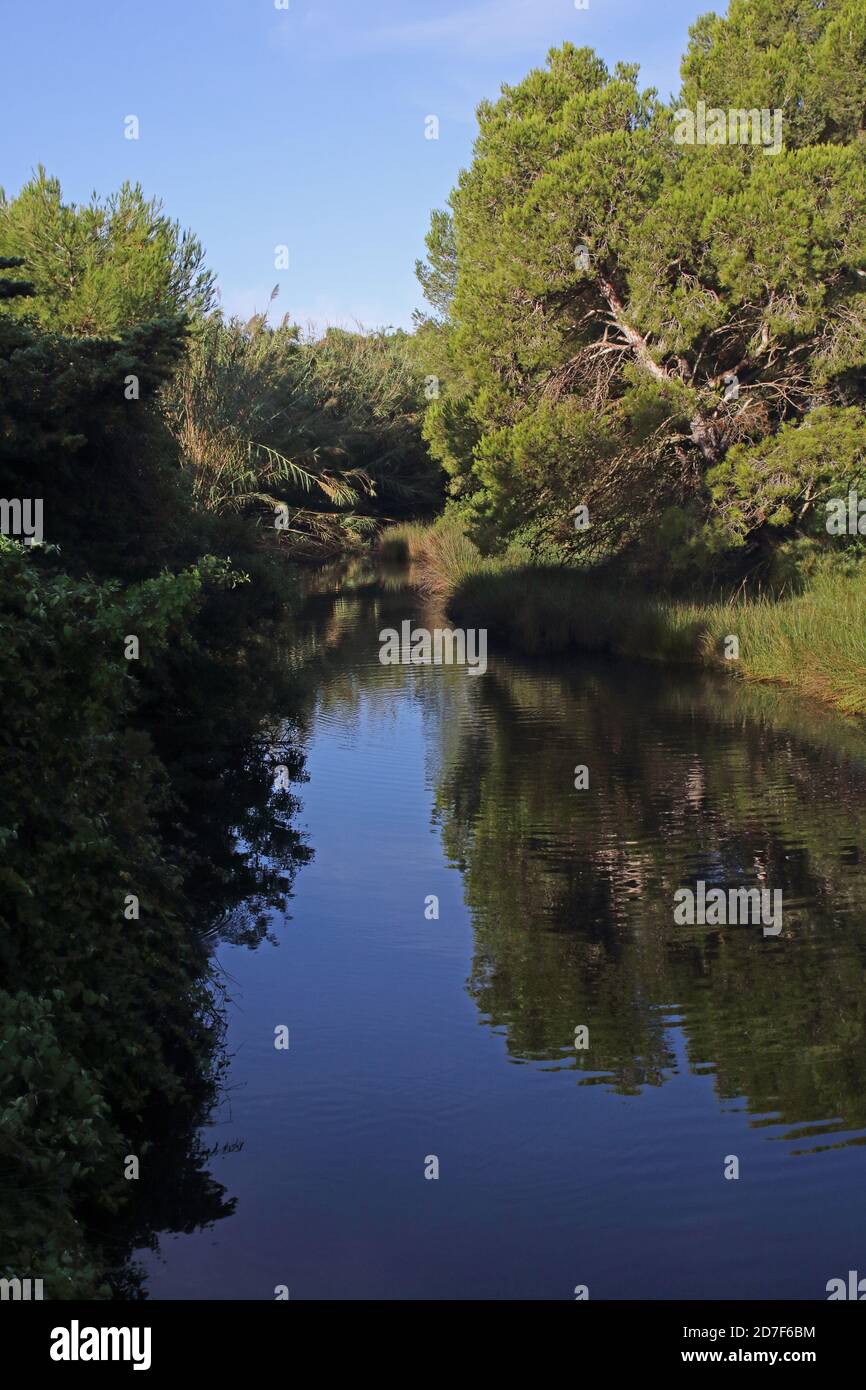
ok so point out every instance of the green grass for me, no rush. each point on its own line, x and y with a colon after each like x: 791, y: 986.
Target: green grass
x: 441, y: 556
x: 814, y: 642
x: 401, y: 544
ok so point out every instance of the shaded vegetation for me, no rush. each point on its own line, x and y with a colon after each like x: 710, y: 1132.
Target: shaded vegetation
x: 812, y: 640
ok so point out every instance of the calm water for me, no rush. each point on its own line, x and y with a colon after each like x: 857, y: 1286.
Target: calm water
x: 455, y: 1037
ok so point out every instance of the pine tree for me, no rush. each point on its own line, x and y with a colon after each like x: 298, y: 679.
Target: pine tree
x: 635, y: 316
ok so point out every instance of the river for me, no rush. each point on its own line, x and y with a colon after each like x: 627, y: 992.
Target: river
x: 415, y: 1037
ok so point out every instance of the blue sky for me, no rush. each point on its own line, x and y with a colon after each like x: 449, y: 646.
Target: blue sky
x: 302, y: 126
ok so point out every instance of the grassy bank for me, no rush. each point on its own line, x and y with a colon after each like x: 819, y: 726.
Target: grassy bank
x: 814, y: 642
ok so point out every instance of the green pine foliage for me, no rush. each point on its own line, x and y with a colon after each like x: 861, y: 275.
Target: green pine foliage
x: 598, y: 286
x: 104, y: 266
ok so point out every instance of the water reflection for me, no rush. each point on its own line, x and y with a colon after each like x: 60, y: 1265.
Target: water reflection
x: 571, y: 892
x: 233, y: 766
x: 562, y: 1164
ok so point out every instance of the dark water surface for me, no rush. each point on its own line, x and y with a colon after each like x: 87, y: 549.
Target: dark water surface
x: 455, y: 1037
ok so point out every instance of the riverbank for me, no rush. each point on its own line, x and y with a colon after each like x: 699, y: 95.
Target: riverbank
x: 814, y: 642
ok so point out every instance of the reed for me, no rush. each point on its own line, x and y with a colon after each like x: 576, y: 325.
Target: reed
x: 814, y: 641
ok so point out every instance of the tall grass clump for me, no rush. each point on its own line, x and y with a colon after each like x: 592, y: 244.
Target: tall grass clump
x: 403, y: 543
x: 544, y: 610
x: 441, y: 555
x: 814, y: 641
x: 329, y: 428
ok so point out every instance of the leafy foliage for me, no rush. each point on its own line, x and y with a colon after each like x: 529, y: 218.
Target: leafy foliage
x: 122, y: 779
x: 626, y: 312
x: 104, y: 1020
